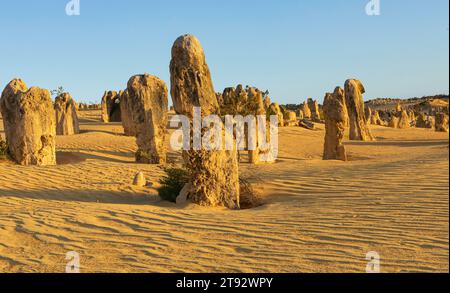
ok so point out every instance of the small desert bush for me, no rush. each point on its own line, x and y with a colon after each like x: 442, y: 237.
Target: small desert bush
x: 249, y: 197
x: 140, y: 154
x: 3, y: 149
x: 175, y: 179
x: 172, y: 183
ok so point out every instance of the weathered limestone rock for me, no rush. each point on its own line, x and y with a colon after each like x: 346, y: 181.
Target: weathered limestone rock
x: 403, y: 122
x: 368, y: 114
x: 394, y: 121
x: 400, y: 120
x: 385, y: 117
x: 255, y: 106
x: 255, y: 102
x: 182, y: 197
x: 129, y: 128
x: 111, y: 107
x: 335, y: 113
x: 66, y: 115
x: 306, y: 111
x: 218, y: 97
x: 314, y: 108
x: 244, y: 102
x: 307, y: 124
x: 234, y: 101
x: 290, y: 118
x: 214, y: 175
x: 376, y: 119
x: 147, y: 108
x: 441, y: 122
x: 30, y: 126
x: 412, y: 117
x: 423, y: 121
x: 275, y: 110
x: 139, y: 180
x: 267, y: 103
x: 359, y: 130
x: 300, y: 115
x: 321, y: 115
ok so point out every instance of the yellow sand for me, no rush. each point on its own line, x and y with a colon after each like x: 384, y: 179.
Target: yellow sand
x: 319, y: 216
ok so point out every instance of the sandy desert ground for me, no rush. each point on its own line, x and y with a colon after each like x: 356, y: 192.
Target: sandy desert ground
x: 318, y: 216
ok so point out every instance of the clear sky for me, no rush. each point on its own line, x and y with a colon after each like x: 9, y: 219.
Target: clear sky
x: 294, y: 48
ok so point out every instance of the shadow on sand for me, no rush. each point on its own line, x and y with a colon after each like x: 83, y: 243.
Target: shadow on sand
x: 84, y: 195
x: 402, y: 143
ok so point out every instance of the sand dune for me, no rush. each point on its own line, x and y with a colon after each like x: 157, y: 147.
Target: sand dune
x: 392, y: 197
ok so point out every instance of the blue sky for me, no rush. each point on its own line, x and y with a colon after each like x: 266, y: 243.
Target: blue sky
x: 294, y: 48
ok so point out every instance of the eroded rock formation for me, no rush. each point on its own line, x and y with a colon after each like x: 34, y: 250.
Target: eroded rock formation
x: 29, y: 121
x: 66, y: 115
x: 290, y: 118
x: 424, y: 121
x: 245, y: 102
x: 306, y: 111
x: 359, y: 130
x: 376, y: 119
x: 147, y: 109
x: 335, y: 115
x: 441, y: 124
x: 404, y: 120
x: 111, y: 107
x: 314, y: 108
x: 129, y: 127
x: 214, y: 175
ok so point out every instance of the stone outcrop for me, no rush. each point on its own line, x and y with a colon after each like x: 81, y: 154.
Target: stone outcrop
x: 368, y: 114
x: 359, y: 130
x: 235, y: 101
x: 147, y: 108
x: 129, y: 127
x: 213, y: 175
x: 412, y: 117
x: 400, y: 120
x: 375, y: 119
x: 111, y: 107
x: 424, y: 121
x: 306, y: 110
x: 244, y: 102
x: 139, y: 180
x: 29, y: 122
x: 275, y: 110
x: 385, y: 117
x: 394, y: 121
x: 66, y: 115
x: 300, y: 115
x: 335, y: 113
x: 404, y: 120
x: 314, y: 108
x: 290, y: 118
x: 441, y: 124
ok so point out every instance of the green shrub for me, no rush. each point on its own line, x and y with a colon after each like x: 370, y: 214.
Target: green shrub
x: 249, y: 197
x: 3, y: 149
x: 176, y: 179
x: 172, y: 183
x: 140, y: 156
